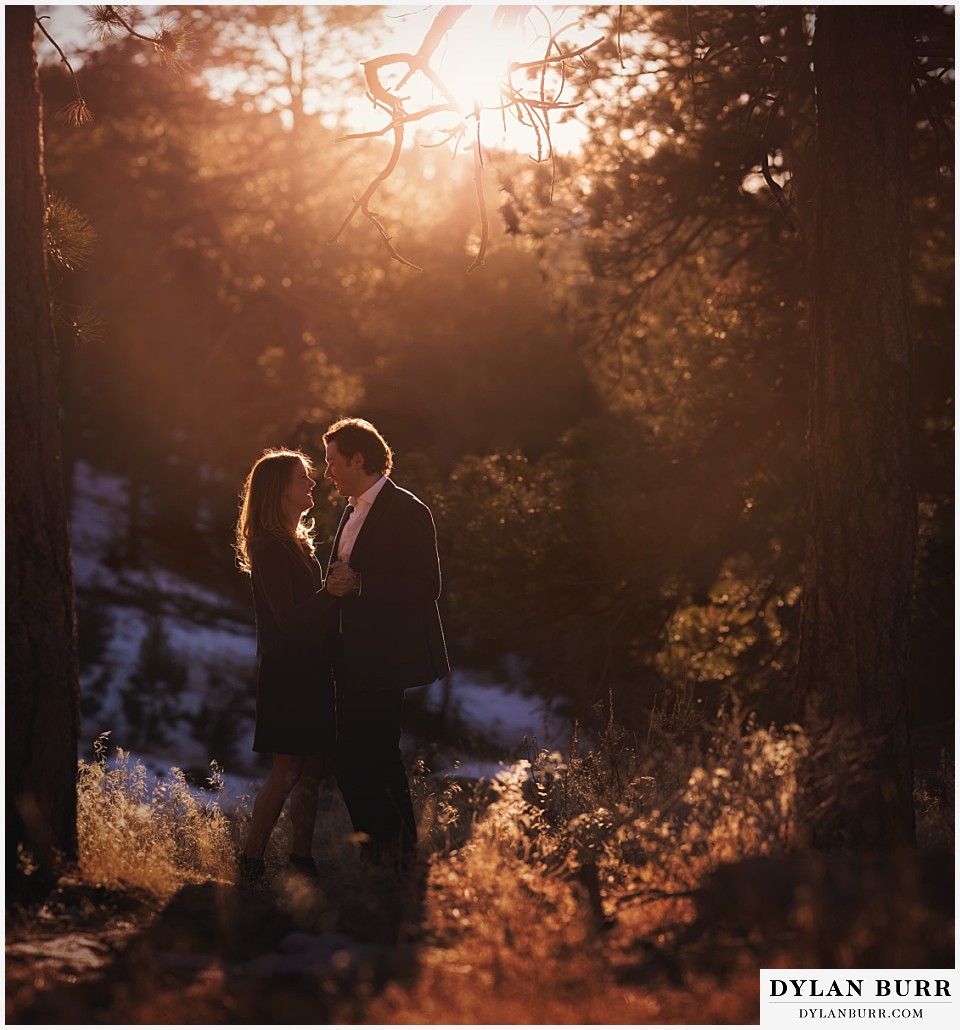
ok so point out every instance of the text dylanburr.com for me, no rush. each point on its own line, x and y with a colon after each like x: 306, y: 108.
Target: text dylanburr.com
x: 857, y: 997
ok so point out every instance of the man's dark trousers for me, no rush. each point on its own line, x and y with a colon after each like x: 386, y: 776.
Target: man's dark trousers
x: 391, y: 639
x: 370, y: 771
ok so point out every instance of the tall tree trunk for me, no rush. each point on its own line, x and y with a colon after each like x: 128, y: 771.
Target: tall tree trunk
x: 863, y: 511
x: 42, y: 689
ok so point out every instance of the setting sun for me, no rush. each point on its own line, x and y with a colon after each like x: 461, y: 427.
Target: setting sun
x: 468, y: 73
x: 473, y: 61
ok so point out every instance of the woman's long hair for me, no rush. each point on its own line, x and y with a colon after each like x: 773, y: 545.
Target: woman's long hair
x: 261, y: 503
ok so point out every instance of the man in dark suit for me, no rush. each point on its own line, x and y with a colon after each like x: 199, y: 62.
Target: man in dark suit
x: 390, y: 633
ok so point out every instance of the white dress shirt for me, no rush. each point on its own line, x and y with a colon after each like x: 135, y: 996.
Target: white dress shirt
x: 361, y: 505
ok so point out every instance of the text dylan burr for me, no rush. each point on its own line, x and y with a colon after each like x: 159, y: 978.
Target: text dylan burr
x: 910, y: 988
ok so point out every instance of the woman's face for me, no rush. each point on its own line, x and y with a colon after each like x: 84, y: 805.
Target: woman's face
x: 298, y: 495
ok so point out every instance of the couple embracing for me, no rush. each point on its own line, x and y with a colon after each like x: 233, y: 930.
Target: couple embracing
x: 337, y: 651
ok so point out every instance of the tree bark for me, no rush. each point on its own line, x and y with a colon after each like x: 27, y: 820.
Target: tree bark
x: 42, y: 683
x: 863, y: 509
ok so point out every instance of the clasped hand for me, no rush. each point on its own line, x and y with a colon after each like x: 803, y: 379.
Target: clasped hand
x: 341, y: 580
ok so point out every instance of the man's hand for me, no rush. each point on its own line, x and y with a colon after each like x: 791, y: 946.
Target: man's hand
x: 342, y: 579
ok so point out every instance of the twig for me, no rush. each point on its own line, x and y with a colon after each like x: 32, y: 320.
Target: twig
x: 361, y: 203
x: 446, y: 18
x: 619, y: 36
x: 516, y: 66
x: 392, y: 103
x: 113, y: 13
x: 405, y: 119
x: 693, y: 62
x: 80, y: 113
x: 168, y: 43
x: 481, y: 199
x: 775, y: 188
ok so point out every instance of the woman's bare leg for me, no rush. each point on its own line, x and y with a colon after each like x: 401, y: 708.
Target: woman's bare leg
x: 269, y: 802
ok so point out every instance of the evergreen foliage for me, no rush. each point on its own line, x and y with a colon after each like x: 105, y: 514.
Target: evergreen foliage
x: 150, y: 700
x: 609, y: 419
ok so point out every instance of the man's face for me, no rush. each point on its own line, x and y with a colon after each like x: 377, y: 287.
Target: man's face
x: 346, y: 475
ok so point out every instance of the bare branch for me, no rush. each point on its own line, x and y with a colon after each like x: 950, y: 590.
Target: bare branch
x: 406, y: 119
x: 481, y: 199
x: 532, y: 112
x: 516, y: 66
x: 391, y: 250
x: 442, y: 24
x: 361, y: 203
x: 775, y: 188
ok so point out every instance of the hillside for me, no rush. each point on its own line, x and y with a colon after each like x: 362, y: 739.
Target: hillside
x: 167, y: 668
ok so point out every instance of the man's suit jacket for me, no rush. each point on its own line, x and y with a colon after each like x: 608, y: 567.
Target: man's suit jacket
x: 390, y: 636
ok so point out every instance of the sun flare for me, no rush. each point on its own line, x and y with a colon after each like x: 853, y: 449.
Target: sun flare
x: 467, y: 76
x: 474, y: 59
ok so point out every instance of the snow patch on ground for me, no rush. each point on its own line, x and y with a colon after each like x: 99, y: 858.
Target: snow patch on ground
x: 518, y: 722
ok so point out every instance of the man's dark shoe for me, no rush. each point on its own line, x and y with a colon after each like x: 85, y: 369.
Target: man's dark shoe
x: 304, y: 867
x: 251, y: 872
x: 396, y: 859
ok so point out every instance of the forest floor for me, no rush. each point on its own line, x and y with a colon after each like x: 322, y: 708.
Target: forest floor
x: 563, y: 898
x: 297, y: 954
x: 374, y: 950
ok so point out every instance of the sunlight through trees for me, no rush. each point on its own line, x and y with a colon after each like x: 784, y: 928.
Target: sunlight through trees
x: 611, y: 416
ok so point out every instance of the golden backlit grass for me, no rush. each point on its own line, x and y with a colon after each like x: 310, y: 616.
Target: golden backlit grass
x: 581, y: 888
x: 549, y: 888
x: 152, y: 835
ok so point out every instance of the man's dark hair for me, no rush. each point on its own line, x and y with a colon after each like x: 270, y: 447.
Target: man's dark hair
x: 358, y: 436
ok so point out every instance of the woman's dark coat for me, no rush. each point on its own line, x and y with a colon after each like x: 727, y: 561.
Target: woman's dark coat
x: 296, y: 635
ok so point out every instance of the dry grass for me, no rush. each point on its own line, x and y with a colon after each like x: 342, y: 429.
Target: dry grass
x: 630, y: 882
x: 549, y: 889
x: 152, y: 836
x: 568, y: 889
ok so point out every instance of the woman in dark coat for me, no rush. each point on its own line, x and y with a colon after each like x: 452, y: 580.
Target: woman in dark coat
x: 296, y: 620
